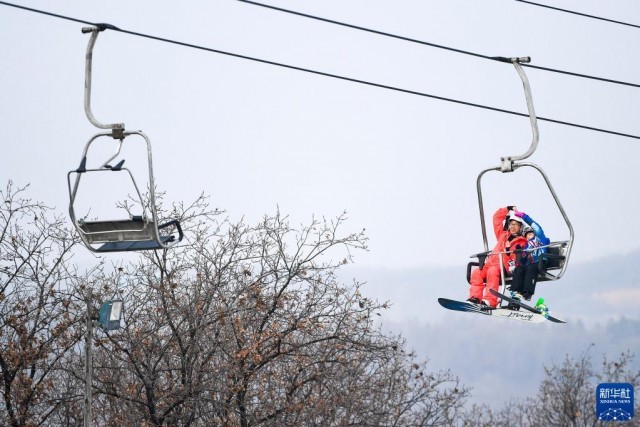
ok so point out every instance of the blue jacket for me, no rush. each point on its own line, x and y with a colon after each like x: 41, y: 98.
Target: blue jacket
x: 532, y: 256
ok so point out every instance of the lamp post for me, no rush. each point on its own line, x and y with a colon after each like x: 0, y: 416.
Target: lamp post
x: 109, y: 319
x: 88, y: 363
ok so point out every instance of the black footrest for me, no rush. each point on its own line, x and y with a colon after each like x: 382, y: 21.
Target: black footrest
x: 140, y: 245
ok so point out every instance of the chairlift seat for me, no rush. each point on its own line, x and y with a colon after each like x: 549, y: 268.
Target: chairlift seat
x: 134, y: 234
x: 135, y: 228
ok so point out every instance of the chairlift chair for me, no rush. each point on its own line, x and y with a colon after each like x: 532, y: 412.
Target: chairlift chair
x: 552, y: 264
x: 138, y: 232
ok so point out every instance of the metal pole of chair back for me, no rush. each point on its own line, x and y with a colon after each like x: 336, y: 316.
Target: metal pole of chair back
x: 510, y: 164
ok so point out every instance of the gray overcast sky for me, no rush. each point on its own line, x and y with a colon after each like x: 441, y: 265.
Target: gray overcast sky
x: 257, y: 137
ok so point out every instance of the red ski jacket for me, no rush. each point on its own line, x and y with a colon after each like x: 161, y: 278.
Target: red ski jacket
x: 506, y: 241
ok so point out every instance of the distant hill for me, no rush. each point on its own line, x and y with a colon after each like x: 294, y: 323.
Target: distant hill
x: 594, y: 292
x: 599, y: 299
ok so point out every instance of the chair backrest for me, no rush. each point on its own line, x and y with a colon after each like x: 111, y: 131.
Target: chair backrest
x: 552, y: 261
x: 134, y: 229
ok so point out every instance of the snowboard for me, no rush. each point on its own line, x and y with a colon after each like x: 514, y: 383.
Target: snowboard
x: 525, y: 306
x: 504, y: 313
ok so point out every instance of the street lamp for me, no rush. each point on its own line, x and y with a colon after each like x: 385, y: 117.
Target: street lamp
x: 111, y: 314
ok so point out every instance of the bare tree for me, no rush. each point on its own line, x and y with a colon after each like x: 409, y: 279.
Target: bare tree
x: 37, y: 313
x: 515, y: 413
x: 243, y: 325
x: 249, y: 325
x: 567, y: 394
x: 566, y: 397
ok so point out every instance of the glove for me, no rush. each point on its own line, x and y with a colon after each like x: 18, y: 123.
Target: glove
x: 519, y: 214
x: 510, y: 208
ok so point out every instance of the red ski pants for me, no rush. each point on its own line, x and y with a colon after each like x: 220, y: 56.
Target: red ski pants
x: 490, y: 273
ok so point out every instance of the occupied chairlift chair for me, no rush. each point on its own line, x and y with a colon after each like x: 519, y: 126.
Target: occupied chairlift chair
x: 136, y: 233
x: 552, y: 264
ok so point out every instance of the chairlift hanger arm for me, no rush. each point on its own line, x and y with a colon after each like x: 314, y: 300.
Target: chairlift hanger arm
x: 116, y: 128
x: 507, y: 163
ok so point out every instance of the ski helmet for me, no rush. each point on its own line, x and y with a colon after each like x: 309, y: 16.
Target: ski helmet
x: 514, y: 218
x: 526, y: 230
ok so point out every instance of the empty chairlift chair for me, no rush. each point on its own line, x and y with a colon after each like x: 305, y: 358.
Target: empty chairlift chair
x: 137, y: 232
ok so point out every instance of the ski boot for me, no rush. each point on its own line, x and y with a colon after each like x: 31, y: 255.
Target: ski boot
x: 516, y: 295
x: 542, y: 307
x: 484, y: 305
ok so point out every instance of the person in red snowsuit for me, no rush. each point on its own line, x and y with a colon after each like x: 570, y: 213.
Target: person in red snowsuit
x: 509, y: 239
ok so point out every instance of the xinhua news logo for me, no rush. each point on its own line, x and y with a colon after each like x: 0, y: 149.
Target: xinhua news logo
x: 614, y: 401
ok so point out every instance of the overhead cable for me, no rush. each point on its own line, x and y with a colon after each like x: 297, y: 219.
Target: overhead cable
x: 579, y: 13
x: 321, y: 73
x: 408, y: 39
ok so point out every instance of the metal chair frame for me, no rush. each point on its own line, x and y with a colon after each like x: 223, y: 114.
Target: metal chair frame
x: 556, y: 261
x: 130, y: 234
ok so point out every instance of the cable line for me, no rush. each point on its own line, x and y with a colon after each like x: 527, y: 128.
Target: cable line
x: 46, y: 13
x: 322, y: 73
x: 369, y: 30
x: 395, y: 36
x: 579, y: 13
